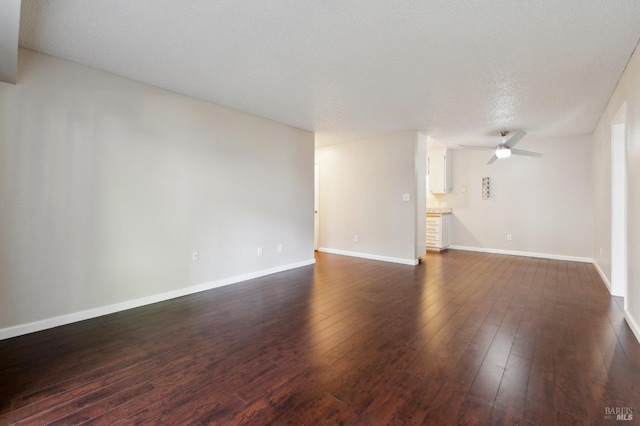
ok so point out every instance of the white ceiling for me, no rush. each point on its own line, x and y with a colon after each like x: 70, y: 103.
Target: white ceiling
x: 460, y: 70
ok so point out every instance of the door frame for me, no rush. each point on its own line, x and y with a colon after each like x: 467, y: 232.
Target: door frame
x: 619, y: 204
x: 316, y: 206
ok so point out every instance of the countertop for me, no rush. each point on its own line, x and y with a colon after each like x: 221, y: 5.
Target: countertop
x: 439, y: 211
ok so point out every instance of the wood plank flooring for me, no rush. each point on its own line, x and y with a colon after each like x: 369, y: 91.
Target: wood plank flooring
x: 466, y: 338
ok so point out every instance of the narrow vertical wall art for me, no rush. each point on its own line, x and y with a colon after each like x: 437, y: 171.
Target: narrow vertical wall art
x: 486, y: 190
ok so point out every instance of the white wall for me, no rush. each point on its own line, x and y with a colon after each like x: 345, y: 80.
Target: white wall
x: 107, y: 185
x: 421, y: 191
x: 361, y: 188
x: 544, y: 203
x: 9, y: 34
x: 628, y: 90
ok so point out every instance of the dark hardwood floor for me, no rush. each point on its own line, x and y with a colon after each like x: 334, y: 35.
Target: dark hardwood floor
x: 467, y: 338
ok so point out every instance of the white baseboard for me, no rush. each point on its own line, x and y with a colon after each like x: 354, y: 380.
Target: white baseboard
x: 525, y: 253
x: 633, y: 324
x: 32, y: 327
x: 400, y: 260
x: 603, y: 276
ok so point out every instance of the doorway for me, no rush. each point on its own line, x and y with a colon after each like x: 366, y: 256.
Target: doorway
x: 619, y: 204
x: 316, y: 206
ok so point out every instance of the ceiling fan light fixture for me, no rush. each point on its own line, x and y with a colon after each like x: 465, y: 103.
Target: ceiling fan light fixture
x: 503, y: 152
x: 505, y: 148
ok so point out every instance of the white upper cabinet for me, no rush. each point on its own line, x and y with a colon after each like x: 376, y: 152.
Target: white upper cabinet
x: 438, y: 170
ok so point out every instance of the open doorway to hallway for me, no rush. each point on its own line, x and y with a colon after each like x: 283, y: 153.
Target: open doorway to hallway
x: 316, y: 206
x: 619, y: 204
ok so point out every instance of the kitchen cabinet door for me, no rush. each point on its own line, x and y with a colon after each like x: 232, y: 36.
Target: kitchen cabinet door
x: 438, y: 171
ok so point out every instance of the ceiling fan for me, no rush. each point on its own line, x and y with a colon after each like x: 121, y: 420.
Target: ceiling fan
x: 505, y: 148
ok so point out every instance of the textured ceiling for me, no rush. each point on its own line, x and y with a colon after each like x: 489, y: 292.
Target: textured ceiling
x: 460, y: 70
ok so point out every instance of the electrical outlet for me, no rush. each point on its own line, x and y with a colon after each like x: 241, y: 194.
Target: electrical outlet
x: 195, y: 255
x: 259, y: 251
x: 509, y: 237
x: 355, y: 238
x: 463, y: 189
x: 279, y: 248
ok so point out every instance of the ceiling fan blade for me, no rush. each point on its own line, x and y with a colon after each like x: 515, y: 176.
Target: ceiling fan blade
x: 527, y: 153
x: 515, y: 139
x: 491, y: 148
x: 493, y: 159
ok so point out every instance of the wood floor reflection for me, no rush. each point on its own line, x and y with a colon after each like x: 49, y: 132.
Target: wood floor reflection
x: 466, y: 338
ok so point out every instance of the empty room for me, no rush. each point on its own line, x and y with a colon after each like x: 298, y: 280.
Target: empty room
x: 319, y: 212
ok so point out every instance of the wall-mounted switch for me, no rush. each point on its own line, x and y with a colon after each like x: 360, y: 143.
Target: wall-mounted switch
x: 355, y: 238
x: 279, y: 248
x: 406, y: 197
x: 259, y: 251
x: 509, y: 237
x: 195, y: 255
